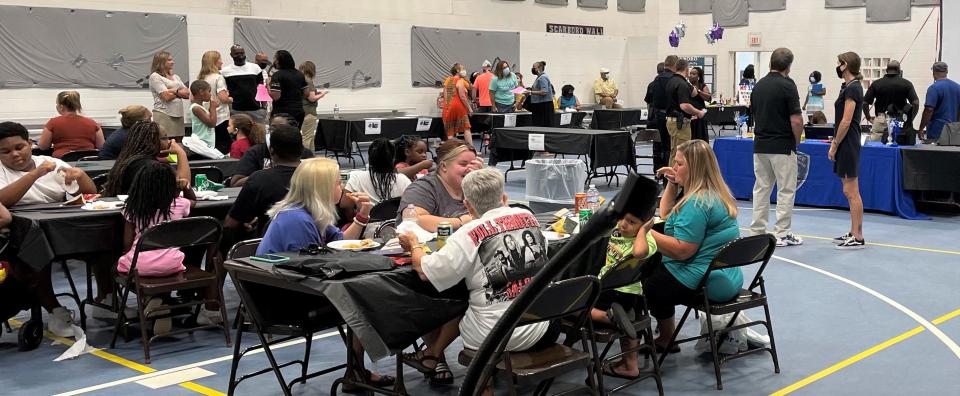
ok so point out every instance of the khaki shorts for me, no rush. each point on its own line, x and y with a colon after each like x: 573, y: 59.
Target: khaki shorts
x: 879, y: 129
x: 173, y: 126
x: 678, y: 136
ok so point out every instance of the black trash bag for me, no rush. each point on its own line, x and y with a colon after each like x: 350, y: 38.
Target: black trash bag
x: 337, y: 265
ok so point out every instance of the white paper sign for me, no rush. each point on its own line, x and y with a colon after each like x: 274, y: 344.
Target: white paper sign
x: 566, y: 118
x: 509, y: 120
x: 535, y: 142
x: 372, y: 126
x: 423, y: 124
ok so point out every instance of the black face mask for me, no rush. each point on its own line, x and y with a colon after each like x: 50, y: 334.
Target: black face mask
x: 240, y: 60
x: 534, y: 71
x: 839, y: 72
x: 263, y: 65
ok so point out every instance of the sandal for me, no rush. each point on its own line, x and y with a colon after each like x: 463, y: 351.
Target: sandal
x: 441, y: 375
x: 383, y: 382
x: 609, y: 371
x: 417, y: 359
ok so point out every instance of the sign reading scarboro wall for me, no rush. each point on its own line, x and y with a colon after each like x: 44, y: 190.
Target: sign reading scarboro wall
x: 575, y: 29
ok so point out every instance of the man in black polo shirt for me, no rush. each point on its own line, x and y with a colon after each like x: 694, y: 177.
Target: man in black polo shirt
x: 778, y: 123
x: 679, y: 109
x: 242, y: 79
x: 893, y: 94
x: 258, y: 157
x: 661, y: 151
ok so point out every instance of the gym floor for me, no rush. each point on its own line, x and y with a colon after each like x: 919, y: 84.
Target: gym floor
x: 875, y: 321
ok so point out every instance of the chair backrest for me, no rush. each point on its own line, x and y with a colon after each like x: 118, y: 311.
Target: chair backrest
x: 387, y: 230
x: 191, y: 231
x: 99, y: 181
x: 89, y: 158
x: 243, y: 249
x: 562, y: 298
x: 624, y: 272
x: 742, y: 252
x: 385, y: 210
x: 521, y: 206
x: 213, y: 173
x: 73, y: 156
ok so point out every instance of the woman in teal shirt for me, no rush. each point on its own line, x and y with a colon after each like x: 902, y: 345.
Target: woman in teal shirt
x: 697, y: 227
x: 501, y: 86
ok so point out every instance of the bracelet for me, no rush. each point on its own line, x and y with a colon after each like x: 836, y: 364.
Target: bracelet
x: 362, y: 218
x: 417, y: 247
x: 359, y: 223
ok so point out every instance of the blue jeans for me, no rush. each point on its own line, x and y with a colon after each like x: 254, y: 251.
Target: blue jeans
x: 502, y: 108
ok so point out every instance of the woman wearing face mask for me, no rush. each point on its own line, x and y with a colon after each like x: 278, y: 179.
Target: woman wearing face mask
x: 814, y: 101
x: 541, y: 96
x: 501, y: 86
x: 699, y: 98
x: 845, y: 147
x: 456, y: 104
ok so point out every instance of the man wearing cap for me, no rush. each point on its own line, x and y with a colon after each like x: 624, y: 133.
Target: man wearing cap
x: 895, y: 96
x: 941, y: 105
x: 481, y: 91
x: 242, y: 79
x: 605, y: 90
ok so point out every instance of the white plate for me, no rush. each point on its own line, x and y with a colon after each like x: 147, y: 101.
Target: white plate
x: 342, y: 245
x: 102, y: 205
x: 122, y: 197
x: 553, y: 236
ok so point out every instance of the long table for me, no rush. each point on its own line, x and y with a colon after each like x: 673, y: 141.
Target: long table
x: 96, y: 168
x: 931, y: 168
x: 341, y: 134
x: 616, y: 119
x: 880, y: 174
x: 602, y: 148
x: 483, y: 122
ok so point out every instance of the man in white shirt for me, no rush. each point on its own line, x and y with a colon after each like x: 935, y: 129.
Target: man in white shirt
x: 474, y: 254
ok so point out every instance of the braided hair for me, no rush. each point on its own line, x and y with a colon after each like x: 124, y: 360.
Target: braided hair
x: 406, y: 142
x: 383, y: 175
x: 151, y: 195
x: 143, y: 141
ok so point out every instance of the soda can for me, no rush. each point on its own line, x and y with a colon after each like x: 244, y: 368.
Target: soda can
x: 580, y: 202
x: 585, y: 215
x: 444, y: 230
x: 200, y: 182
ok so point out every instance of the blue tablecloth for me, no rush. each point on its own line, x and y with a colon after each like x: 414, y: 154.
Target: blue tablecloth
x: 881, y: 180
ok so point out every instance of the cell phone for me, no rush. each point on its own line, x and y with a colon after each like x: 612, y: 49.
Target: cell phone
x: 270, y: 258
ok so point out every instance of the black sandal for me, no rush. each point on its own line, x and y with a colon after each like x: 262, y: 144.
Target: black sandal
x: 383, y: 382
x: 441, y: 375
x: 417, y: 359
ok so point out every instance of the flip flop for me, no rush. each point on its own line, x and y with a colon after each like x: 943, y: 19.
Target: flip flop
x: 608, y: 371
x: 383, y: 382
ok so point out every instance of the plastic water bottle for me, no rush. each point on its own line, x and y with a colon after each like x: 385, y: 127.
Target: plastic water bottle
x: 336, y: 112
x: 593, y: 198
x: 409, y: 214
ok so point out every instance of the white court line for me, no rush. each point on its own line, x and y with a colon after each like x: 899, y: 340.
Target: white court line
x: 795, y: 209
x: 186, y: 367
x: 907, y: 311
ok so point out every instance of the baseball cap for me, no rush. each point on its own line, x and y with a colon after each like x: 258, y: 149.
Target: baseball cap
x: 486, y: 63
x: 604, y: 70
x: 939, y: 67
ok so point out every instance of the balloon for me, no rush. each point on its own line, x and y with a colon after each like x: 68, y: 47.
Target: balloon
x: 674, y: 39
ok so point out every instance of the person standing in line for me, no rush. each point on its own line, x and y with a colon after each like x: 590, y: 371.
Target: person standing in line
x: 288, y: 87
x: 661, y: 157
x: 210, y: 66
x: 605, y: 90
x: 779, y: 123
x: 168, y: 91
x: 310, y: 98
x: 895, y: 96
x: 501, y: 86
x: 481, y: 89
x: 680, y: 111
x: 814, y: 100
x: 242, y: 79
x: 456, y: 104
x: 699, y: 97
x: 845, y: 147
x: 941, y: 104
x: 541, y: 96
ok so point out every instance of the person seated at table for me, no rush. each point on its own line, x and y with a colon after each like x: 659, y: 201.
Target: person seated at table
x: 818, y: 118
x: 470, y: 255
x: 70, y: 131
x: 146, y: 143
x: 257, y: 157
x: 698, y: 225
x: 438, y: 196
x: 631, y: 244
x: 128, y: 116
x: 411, y: 159
x: 380, y: 181
x: 248, y: 133
x: 567, y: 99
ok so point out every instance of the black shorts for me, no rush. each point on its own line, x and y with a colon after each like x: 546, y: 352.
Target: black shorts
x: 847, y: 161
x: 664, y: 293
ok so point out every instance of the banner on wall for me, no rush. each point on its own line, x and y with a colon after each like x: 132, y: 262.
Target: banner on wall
x: 434, y: 50
x: 575, y: 29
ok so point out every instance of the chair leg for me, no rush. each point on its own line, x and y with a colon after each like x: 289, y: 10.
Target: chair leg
x: 773, y: 344
x: 676, y: 333
x: 306, y: 357
x: 713, y: 348
x: 657, y: 375
x: 223, y: 314
x: 273, y: 362
x: 74, y: 294
x: 143, y: 330
x: 121, y: 316
x: 236, y: 355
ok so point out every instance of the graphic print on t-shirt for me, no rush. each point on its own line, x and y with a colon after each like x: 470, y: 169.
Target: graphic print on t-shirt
x: 512, y: 251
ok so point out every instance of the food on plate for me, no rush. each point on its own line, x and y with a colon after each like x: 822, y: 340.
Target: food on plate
x: 82, y: 199
x: 364, y: 244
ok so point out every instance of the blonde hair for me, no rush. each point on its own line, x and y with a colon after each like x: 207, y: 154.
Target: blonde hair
x: 309, y: 70
x: 208, y: 64
x: 312, y: 188
x: 159, y: 62
x: 703, y: 177
x: 70, y: 100
x: 131, y: 114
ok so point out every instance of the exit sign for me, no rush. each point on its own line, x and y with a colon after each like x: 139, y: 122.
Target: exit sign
x: 754, y: 39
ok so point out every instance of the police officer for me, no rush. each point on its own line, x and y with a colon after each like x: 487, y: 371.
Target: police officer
x: 895, y: 97
x: 680, y: 110
x: 658, y: 97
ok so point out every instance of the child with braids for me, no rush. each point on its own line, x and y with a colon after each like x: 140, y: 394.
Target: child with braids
x: 145, y: 144
x: 411, y: 157
x: 380, y: 180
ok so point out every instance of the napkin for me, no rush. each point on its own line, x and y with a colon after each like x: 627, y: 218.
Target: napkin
x: 519, y: 90
x: 210, y: 196
x: 422, y: 235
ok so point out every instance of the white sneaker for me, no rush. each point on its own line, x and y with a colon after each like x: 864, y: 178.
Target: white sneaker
x: 852, y: 244
x: 789, y: 240
x: 61, y: 322
x: 162, y: 325
x: 104, y: 313
x: 208, y: 317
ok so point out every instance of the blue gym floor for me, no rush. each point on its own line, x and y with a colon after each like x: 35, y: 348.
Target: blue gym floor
x: 880, y: 321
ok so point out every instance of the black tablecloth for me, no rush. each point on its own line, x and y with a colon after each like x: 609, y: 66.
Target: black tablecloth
x: 724, y: 115
x: 339, y: 134
x: 96, y: 168
x: 482, y: 122
x: 603, y: 148
x: 931, y: 168
x: 615, y: 119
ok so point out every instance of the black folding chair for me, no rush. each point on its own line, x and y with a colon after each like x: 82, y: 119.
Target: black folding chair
x: 739, y: 253
x: 99, y: 181
x: 570, y: 297
x: 189, y: 232
x: 213, y: 173
x: 76, y: 155
x: 521, y: 206
x: 385, y: 210
x: 387, y: 230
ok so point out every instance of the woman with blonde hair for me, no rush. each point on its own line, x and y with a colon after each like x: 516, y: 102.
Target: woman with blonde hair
x: 70, y: 131
x: 845, y: 147
x: 438, y: 196
x: 129, y: 116
x: 309, y: 127
x: 168, y: 91
x: 210, y: 66
x: 698, y: 225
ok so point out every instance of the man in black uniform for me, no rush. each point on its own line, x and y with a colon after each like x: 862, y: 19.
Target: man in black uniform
x: 661, y: 151
x: 679, y: 108
x: 893, y: 94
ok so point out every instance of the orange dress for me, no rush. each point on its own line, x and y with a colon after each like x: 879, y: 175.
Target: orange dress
x: 455, y: 115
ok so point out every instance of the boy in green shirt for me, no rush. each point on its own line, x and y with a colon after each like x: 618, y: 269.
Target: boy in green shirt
x: 616, y: 307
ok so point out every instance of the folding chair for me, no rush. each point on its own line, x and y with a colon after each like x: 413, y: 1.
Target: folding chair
x: 387, y: 230
x: 646, y: 135
x: 570, y: 297
x: 385, y: 210
x: 189, y: 232
x: 99, y: 181
x: 213, y: 173
x: 739, y: 253
x: 76, y: 155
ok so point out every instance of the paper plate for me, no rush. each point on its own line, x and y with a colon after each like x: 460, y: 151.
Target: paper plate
x: 102, y: 205
x: 553, y: 236
x: 353, y: 245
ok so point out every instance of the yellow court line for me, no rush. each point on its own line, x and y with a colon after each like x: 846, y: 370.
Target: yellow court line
x: 125, y: 362
x: 919, y: 249
x: 860, y: 356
